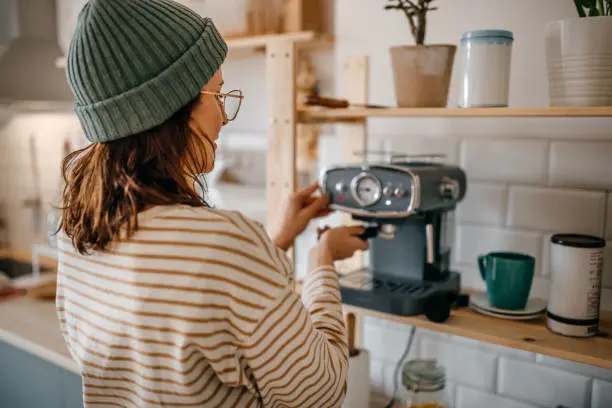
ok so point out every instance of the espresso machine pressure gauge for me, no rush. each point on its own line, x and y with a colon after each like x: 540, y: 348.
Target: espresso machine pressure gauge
x: 366, y: 189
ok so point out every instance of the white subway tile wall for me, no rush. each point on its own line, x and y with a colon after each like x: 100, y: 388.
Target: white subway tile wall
x: 547, y: 209
x: 545, y: 258
x: 520, y: 193
x: 469, y: 398
x: 602, y: 394
x: 581, y: 164
x: 523, y: 161
x: 541, y: 385
x: 495, y: 348
x: 448, y: 147
x: 484, y: 204
x: 583, y: 369
x: 464, y: 365
x: 475, y: 240
x: 471, y: 277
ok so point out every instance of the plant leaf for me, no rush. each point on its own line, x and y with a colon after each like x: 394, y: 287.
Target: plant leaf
x: 579, y: 9
x: 593, y: 12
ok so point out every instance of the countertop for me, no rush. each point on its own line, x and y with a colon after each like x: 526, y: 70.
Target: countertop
x: 32, y: 325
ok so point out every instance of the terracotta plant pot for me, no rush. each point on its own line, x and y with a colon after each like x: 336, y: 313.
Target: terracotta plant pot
x: 422, y: 74
x: 579, y: 61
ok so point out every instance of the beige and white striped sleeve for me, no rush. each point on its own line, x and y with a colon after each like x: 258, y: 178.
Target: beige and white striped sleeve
x: 298, y: 353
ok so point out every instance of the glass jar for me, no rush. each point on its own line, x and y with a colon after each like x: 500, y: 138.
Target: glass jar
x: 486, y: 57
x: 424, y: 384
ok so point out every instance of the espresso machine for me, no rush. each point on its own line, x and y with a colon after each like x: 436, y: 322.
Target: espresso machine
x: 406, y: 205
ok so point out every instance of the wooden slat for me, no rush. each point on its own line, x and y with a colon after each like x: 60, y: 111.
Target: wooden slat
x: 249, y: 45
x: 322, y: 114
x: 280, y: 90
x: 353, y: 137
x: 529, y: 335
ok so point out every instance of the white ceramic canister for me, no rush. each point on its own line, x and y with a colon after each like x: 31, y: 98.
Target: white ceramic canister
x: 576, y: 267
x: 486, y: 57
x: 579, y: 61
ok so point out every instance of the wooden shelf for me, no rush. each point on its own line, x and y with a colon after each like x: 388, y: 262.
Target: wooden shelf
x: 250, y: 45
x: 529, y: 335
x: 352, y: 114
x: 307, y: 40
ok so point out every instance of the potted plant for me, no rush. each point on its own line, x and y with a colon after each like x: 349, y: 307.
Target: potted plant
x: 579, y: 56
x: 421, y: 72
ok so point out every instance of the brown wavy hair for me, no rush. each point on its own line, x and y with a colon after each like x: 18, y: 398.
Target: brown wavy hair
x: 108, y: 184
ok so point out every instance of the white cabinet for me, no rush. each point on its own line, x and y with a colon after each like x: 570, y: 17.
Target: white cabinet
x: 29, y: 381
x: 67, y: 16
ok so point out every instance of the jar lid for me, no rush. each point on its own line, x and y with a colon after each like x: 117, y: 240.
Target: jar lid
x: 487, y: 34
x: 423, y: 376
x: 578, y: 240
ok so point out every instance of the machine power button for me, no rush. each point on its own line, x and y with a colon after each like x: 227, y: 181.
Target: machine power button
x: 400, y: 192
x: 340, y: 187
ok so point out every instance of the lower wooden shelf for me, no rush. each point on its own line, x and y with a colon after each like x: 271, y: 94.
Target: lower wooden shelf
x: 529, y: 335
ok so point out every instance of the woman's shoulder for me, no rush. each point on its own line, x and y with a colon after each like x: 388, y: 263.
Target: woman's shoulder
x: 231, y: 219
x: 241, y: 236
x: 227, y: 225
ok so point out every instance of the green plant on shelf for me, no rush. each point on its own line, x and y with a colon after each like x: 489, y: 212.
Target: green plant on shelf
x: 416, y: 13
x: 593, y: 8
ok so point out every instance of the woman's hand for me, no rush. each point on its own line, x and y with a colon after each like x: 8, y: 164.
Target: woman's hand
x: 301, y: 207
x: 342, y: 242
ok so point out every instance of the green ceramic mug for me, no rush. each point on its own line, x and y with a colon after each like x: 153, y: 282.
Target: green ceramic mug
x: 508, y: 276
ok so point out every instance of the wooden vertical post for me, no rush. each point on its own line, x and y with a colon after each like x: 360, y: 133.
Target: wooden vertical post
x: 353, y: 136
x: 353, y: 139
x: 280, y: 87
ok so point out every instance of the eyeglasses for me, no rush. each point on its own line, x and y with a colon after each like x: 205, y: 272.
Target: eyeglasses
x: 231, y: 102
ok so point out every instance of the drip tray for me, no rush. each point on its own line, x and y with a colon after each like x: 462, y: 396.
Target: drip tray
x: 407, y: 297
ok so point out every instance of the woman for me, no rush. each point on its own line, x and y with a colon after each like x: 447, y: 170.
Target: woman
x: 162, y: 300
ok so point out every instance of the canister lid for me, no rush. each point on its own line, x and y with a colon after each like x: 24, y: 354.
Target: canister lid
x: 578, y: 240
x: 487, y: 34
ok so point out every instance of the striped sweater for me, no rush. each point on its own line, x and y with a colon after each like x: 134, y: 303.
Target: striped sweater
x: 197, y: 310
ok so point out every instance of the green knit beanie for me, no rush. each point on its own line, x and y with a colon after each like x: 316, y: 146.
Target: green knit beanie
x: 133, y: 63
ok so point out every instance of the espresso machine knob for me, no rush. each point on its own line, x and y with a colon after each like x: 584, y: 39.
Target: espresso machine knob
x: 449, y: 189
x: 340, y: 187
x: 400, y: 192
